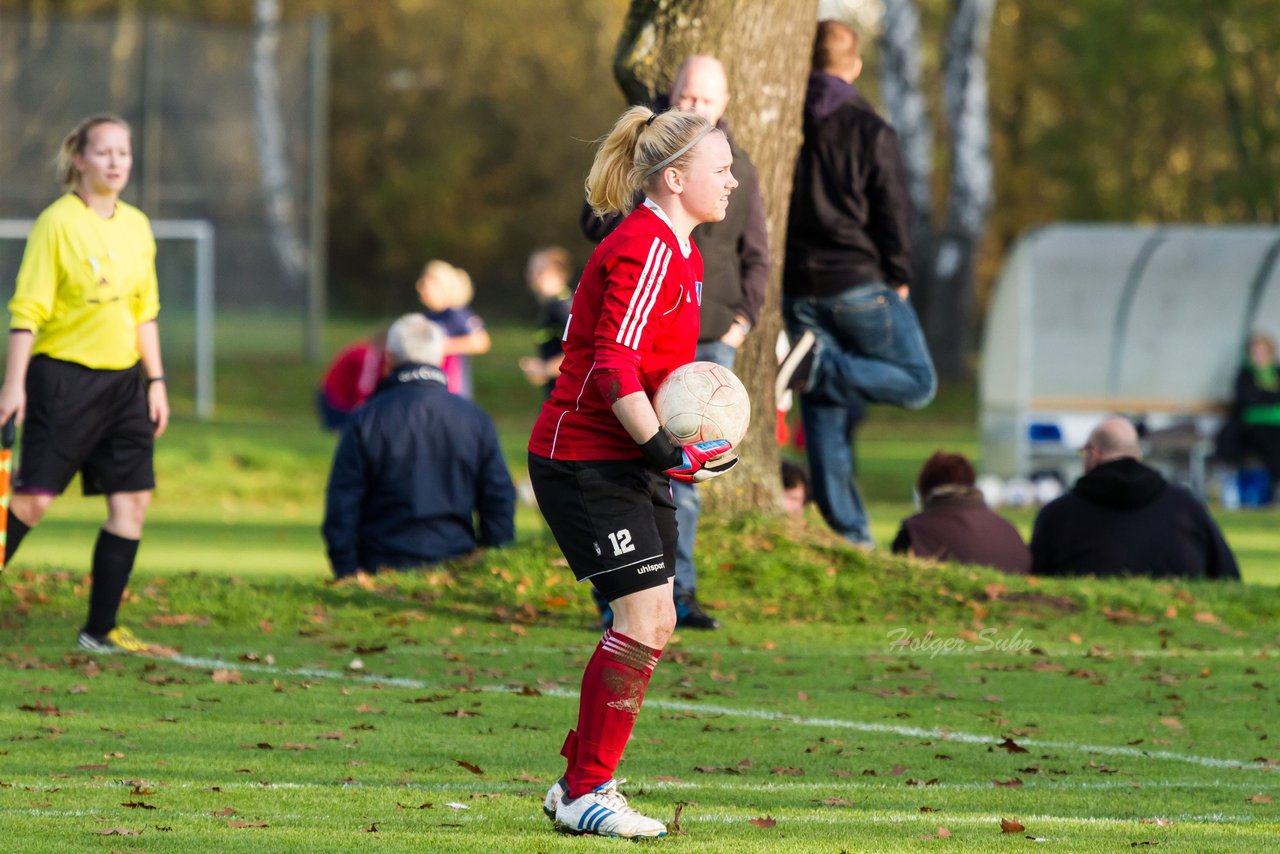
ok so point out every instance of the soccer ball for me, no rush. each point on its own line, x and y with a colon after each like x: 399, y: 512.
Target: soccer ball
x: 701, y: 401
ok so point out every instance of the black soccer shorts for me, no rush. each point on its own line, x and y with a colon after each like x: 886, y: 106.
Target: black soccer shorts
x: 615, y: 521
x: 87, y: 420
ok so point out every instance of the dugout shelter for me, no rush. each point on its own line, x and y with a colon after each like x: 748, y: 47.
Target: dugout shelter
x: 1145, y: 321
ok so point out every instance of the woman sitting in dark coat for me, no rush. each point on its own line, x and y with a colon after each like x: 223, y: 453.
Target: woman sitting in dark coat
x: 1254, y: 428
x: 956, y: 524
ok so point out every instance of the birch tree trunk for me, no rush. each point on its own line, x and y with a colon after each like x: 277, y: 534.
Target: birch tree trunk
x: 943, y: 290
x: 277, y: 185
x: 765, y: 46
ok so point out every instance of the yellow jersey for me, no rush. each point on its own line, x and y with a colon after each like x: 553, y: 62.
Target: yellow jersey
x: 87, y: 283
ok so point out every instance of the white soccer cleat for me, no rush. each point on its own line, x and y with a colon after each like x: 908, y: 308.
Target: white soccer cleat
x: 604, y: 812
x: 554, y: 796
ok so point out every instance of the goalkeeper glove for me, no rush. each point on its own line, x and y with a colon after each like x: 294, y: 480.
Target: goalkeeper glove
x: 690, y: 463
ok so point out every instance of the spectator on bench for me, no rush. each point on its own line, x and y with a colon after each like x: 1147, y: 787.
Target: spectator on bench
x: 1254, y: 425
x: 1123, y: 518
x: 955, y: 523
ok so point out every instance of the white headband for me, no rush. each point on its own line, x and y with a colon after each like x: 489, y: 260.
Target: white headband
x: 679, y: 152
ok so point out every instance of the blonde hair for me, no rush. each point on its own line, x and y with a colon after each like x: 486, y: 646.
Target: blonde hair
x: 639, y: 145
x: 74, y: 143
x: 553, y: 257
x: 1260, y: 337
x: 455, y: 282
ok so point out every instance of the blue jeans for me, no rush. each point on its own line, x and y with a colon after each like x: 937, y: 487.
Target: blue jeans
x: 870, y: 350
x: 688, y: 502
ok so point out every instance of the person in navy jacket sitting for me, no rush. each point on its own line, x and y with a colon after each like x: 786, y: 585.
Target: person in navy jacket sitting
x: 415, y: 467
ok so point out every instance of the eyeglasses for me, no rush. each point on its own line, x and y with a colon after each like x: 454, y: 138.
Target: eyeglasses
x: 1085, y: 451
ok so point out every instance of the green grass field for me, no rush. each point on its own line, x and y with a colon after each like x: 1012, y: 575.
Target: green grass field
x: 852, y: 703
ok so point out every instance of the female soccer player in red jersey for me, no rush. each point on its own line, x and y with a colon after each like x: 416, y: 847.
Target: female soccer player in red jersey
x: 598, y: 458
x: 84, y: 365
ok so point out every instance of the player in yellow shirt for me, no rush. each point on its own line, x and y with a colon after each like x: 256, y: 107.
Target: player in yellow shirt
x: 84, y: 372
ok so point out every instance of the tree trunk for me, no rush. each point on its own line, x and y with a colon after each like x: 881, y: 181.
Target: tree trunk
x: 943, y: 288
x: 765, y: 46
x: 964, y: 88
x: 277, y: 185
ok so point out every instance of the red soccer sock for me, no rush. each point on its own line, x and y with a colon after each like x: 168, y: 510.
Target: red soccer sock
x: 613, y: 687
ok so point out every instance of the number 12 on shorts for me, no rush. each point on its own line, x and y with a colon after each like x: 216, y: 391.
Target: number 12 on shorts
x: 621, y: 542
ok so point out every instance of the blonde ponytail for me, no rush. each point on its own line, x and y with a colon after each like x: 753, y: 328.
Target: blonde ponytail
x: 640, y: 144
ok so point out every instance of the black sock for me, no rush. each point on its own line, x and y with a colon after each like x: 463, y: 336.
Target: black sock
x: 17, y: 530
x: 112, y: 563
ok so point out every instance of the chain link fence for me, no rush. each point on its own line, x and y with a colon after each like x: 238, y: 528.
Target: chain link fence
x: 228, y: 128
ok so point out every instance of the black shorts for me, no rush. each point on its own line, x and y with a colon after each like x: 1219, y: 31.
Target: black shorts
x: 615, y: 521
x: 86, y: 420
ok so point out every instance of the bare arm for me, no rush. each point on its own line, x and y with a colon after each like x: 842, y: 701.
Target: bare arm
x: 153, y: 369
x: 13, y: 395
x: 471, y: 344
x: 635, y: 413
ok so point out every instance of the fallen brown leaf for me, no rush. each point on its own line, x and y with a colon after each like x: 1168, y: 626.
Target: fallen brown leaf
x: 474, y: 769
x: 764, y: 823
x: 1011, y: 826
x: 247, y: 824
x: 118, y: 831
x: 48, y: 710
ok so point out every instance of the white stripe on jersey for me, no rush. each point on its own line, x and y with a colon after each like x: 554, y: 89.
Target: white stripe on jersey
x: 652, y: 299
x: 577, y: 405
x: 646, y: 292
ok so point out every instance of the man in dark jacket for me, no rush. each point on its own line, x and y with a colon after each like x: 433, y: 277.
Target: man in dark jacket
x: 735, y: 261
x: 1123, y: 518
x: 414, y: 466
x: 847, y: 276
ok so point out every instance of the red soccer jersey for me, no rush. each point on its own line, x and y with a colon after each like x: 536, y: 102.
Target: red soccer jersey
x: 634, y: 319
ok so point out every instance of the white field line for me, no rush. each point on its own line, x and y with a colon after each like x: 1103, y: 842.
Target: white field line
x: 755, y: 714
x: 709, y: 783
x: 827, y: 816
x: 886, y: 652
x: 834, y: 816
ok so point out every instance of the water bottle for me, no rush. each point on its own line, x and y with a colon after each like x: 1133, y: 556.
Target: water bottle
x: 1229, y: 492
